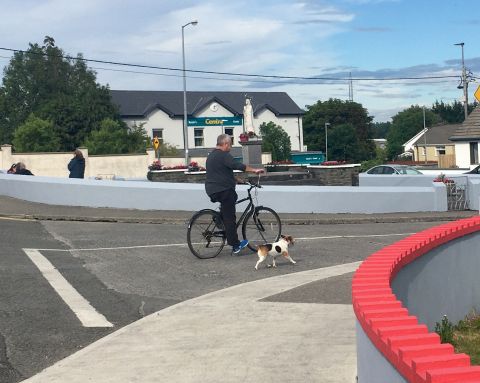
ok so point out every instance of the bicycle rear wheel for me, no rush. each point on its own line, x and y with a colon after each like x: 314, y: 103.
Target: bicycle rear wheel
x: 261, y: 226
x: 206, y: 234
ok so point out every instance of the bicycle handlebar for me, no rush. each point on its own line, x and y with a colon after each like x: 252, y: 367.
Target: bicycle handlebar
x: 254, y: 185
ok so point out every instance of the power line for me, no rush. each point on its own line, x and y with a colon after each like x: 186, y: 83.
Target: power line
x: 236, y: 74
x: 257, y: 81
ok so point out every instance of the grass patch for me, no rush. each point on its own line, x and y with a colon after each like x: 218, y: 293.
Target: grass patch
x: 464, y: 336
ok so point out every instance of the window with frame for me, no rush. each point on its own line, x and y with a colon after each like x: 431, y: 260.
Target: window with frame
x: 440, y: 150
x: 229, y: 131
x: 198, y: 137
x: 159, y: 134
x: 473, y: 153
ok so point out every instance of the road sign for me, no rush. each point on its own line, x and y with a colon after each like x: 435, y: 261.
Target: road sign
x: 215, y: 121
x: 477, y: 94
x: 156, y: 143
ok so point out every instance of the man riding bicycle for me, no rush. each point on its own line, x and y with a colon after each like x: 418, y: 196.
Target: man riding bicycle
x: 220, y: 186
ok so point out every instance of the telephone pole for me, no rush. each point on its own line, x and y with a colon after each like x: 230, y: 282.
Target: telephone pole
x: 464, y: 83
x: 350, y: 88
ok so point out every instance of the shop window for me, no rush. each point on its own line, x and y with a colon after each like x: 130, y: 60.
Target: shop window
x: 158, y: 133
x: 198, y: 135
x: 473, y: 153
x: 229, y: 131
x: 440, y: 150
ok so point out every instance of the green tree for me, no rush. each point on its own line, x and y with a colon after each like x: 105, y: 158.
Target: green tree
x: 167, y: 149
x: 338, y: 113
x: 380, y: 158
x: 137, y: 139
x: 380, y: 129
x: 405, y: 125
x: 343, y: 143
x: 114, y: 138
x: 453, y: 113
x: 36, y: 135
x: 275, y: 140
x: 62, y: 90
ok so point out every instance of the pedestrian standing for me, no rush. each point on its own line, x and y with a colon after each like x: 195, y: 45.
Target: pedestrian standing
x: 77, y: 165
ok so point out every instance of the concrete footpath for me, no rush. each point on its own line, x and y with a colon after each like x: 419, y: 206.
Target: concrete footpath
x: 261, y: 331
x: 227, y: 336
x: 15, y: 208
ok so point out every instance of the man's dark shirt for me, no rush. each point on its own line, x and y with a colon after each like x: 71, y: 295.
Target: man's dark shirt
x: 24, y: 172
x: 220, y: 166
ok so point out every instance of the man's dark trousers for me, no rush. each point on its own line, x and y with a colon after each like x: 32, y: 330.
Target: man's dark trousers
x: 227, y: 199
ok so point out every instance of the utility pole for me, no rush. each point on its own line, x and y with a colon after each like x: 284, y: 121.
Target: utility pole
x: 425, y: 135
x: 327, y: 124
x: 350, y: 88
x: 464, y: 83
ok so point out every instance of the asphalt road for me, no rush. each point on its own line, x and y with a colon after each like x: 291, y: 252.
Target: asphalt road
x: 126, y: 271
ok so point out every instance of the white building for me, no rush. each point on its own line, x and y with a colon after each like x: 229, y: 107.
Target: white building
x: 467, y: 139
x: 209, y: 114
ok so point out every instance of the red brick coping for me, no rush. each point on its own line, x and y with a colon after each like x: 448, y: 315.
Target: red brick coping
x: 416, y: 353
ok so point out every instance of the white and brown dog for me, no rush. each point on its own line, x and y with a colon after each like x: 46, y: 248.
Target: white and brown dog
x: 274, y: 249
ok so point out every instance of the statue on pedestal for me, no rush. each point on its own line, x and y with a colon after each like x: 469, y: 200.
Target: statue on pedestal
x: 248, y: 116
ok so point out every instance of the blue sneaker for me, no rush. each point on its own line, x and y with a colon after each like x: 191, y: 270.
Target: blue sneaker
x: 243, y: 244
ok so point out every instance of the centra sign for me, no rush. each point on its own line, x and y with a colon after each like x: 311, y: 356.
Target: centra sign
x: 215, y: 121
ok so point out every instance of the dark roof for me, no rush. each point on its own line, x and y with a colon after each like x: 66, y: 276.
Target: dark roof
x: 469, y: 129
x: 136, y: 103
x: 438, y: 135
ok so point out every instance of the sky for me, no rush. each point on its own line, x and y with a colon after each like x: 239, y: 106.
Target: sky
x: 373, y: 40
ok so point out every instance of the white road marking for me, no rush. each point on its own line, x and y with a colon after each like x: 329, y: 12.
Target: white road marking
x: 199, y: 243
x: 352, y: 236
x: 17, y: 219
x: 78, y: 304
x: 121, y: 247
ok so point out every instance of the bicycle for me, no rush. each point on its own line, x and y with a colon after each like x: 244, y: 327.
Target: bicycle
x: 206, y: 232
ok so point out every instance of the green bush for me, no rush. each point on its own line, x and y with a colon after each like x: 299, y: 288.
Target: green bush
x: 36, y: 135
x: 445, y: 329
x: 276, y: 141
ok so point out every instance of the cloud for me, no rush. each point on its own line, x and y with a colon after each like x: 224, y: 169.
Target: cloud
x: 284, y: 37
x: 365, y: 2
x: 372, y: 29
x: 219, y: 42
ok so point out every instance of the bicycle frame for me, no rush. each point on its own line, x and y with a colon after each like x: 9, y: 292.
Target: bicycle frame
x: 250, y: 207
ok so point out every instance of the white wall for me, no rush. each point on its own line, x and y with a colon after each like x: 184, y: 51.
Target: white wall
x: 373, y: 367
x: 442, y: 282
x: 191, y: 197
x: 365, y: 179
x: 158, y: 119
x: 473, y: 191
x: 107, y: 166
x: 462, y: 154
x: 289, y: 124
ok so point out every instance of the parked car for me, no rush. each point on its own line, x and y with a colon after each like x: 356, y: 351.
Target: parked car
x: 475, y: 170
x: 393, y: 169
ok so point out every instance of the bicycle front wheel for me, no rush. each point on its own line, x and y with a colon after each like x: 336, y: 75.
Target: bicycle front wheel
x: 261, y: 226
x: 206, y: 234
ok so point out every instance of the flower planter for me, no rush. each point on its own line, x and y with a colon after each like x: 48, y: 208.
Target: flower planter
x: 277, y: 168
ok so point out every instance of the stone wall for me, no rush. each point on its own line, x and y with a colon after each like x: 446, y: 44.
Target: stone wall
x: 297, y: 175
x: 335, y: 175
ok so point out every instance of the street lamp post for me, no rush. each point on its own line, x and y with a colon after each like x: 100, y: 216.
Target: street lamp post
x: 185, y: 129
x: 465, y: 83
x: 327, y: 124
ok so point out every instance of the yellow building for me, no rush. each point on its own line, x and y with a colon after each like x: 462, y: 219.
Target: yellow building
x: 433, y: 145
